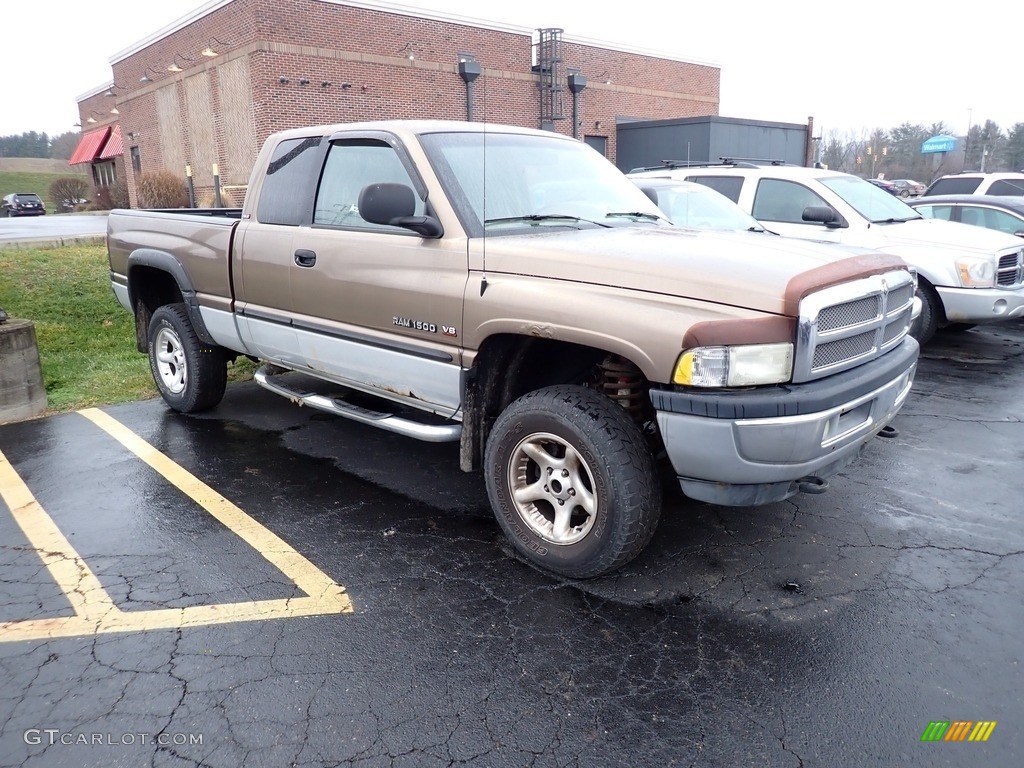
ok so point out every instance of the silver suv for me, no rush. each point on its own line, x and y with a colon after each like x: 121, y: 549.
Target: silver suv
x: 978, y: 184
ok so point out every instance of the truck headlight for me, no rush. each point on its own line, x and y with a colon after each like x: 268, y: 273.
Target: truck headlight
x: 737, y: 366
x: 976, y: 273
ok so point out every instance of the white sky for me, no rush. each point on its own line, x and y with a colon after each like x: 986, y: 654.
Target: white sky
x: 849, y: 63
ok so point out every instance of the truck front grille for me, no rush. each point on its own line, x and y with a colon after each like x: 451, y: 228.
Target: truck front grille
x: 1011, y: 269
x: 848, y: 324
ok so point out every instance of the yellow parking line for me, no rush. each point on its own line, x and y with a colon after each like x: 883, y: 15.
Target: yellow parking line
x: 83, y: 590
x: 96, y: 613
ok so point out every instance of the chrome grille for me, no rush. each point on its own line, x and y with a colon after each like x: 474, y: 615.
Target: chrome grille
x: 1011, y: 269
x: 849, y: 324
x: 850, y: 313
x: 832, y: 352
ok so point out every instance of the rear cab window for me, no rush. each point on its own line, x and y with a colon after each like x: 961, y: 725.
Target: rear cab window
x: 290, y: 181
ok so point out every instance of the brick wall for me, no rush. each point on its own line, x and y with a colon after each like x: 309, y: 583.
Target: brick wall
x: 287, y: 63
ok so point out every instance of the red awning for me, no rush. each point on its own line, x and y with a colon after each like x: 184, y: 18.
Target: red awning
x: 114, y: 146
x: 89, y: 146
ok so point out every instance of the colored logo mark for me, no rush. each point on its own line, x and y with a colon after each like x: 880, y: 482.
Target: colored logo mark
x: 958, y: 730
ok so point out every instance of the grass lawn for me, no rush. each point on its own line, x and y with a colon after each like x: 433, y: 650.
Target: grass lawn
x: 86, y: 339
x: 19, y: 181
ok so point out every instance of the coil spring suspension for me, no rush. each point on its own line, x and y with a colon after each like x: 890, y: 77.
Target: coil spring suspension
x: 624, y: 383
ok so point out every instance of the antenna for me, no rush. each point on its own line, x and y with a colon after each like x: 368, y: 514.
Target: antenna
x: 483, y: 248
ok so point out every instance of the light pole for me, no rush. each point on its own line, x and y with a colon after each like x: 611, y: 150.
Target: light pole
x: 967, y: 138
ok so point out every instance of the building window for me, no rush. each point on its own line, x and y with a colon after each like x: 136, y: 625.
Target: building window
x: 136, y: 161
x: 104, y: 174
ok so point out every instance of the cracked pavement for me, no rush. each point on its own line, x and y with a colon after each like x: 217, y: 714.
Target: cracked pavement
x: 826, y: 630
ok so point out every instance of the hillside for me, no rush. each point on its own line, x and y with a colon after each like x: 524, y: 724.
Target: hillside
x: 35, y: 174
x: 39, y: 165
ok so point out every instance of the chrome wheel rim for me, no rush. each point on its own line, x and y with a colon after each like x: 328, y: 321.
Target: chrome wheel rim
x: 552, y: 489
x: 170, y: 361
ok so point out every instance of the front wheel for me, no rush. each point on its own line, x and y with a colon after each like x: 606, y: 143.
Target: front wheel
x: 572, y: 482
x: 927, y: 323
x: 189, y: 375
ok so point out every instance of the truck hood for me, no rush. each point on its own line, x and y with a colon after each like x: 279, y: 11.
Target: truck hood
x: 918, y: 233
x: 743, y: 269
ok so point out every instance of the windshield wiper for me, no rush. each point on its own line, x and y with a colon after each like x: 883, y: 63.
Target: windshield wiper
x: 893, y: 220
x: 537, y: 217
x: 635, y: 215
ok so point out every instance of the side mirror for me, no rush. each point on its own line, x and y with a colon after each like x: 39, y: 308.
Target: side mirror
x: 823, y: 214
x: 395, y: 205
x: 1019, y: 233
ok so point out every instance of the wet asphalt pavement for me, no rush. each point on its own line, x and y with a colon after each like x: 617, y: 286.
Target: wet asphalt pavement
x: 827, y: 630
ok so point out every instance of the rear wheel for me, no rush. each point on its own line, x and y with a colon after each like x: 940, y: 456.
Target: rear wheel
x: 189, y: 375
x: 572, y: 482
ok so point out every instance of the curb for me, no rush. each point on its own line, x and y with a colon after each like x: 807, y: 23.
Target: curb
x: 53, y: 242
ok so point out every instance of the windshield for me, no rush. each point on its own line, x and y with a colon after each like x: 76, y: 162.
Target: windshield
x: 699, y: 207
x: 874, y: 204
x: 502, y: 181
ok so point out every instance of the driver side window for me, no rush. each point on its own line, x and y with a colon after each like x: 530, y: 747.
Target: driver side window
x: 352, y: 165
x: 784, y: 201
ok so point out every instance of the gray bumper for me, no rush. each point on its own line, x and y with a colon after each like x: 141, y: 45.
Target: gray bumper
x: 753, y: 447
x: 981, y: 305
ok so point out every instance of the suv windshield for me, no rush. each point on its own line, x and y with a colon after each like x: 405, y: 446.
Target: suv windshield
x: 509, y: 181
x: 874, y: 204
x: 700, y: 207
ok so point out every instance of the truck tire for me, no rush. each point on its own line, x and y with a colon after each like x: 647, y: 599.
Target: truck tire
x: 189, y: 375
x: 931, y: 310
x: 572, y: 481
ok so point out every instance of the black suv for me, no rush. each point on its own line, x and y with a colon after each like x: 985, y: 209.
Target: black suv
x: 23, y: 204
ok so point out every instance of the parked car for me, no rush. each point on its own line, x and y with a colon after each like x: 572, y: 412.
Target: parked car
x: 696, y: 206
x: 965, y: 274
x: 23, y: 204
x: 909, y: 188
x: 885, y: 184
x: 1000, y: 212
x: 977, y: 184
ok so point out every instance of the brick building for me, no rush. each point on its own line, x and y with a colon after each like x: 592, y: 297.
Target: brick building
x: 208, y: 89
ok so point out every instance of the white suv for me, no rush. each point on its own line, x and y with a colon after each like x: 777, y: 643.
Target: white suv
x: 978, y: 184
x: 966, y: 275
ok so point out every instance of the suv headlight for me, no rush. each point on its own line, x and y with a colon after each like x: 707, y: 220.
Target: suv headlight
x: 738, y: 366
x: 975, y: 272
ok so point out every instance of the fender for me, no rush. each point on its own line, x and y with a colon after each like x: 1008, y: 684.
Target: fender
x: 165, y: 262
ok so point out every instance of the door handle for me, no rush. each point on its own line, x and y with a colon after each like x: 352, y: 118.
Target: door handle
x: 305, y: 258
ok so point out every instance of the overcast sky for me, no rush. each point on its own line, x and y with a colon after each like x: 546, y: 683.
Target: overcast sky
x: 849, y: 63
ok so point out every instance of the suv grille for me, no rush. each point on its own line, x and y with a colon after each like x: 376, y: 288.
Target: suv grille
x: 1011, y: 269
x: 846, y: 325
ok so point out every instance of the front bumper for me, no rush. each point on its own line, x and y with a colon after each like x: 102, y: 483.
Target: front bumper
x: 755, y: 446
x: 981, y: 305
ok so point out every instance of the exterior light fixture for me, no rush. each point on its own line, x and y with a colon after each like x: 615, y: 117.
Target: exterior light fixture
x: 145, y: 75
x: 115, y: 111
x: 283, y: 80
x: 409, y: 49
x: 469, y: 70
x: 577, y: 82
x: 174, y: 67
x: 208, y: 51
x: 304, y: 81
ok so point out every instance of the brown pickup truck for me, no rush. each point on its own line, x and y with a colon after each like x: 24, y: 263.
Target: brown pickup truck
x: 511, y: 290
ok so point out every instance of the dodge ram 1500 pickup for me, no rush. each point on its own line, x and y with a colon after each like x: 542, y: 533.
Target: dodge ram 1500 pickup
x: 509, y: 289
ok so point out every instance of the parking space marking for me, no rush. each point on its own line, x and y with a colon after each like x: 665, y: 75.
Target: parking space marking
x: 95, y: 612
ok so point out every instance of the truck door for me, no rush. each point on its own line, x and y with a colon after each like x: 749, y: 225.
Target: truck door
x: 377, y: 307
x: 263, y: 251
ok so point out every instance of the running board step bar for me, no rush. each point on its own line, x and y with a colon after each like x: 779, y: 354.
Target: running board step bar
x: 431, y: 433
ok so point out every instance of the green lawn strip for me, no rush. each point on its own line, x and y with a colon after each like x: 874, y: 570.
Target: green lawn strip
x: 22, y: 181
x: 86, y: 339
